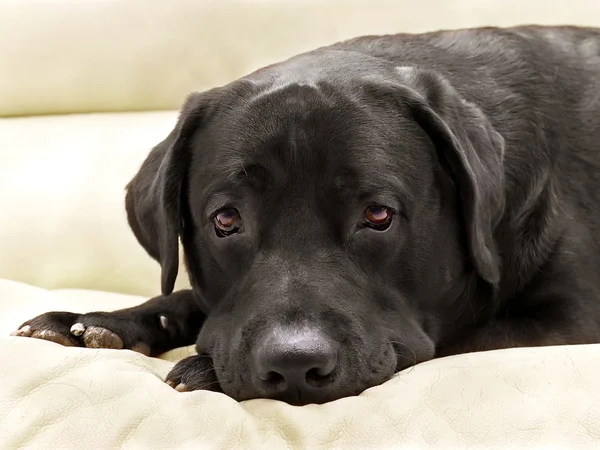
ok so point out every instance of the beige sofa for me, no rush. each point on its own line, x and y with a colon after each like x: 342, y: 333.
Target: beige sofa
x: 86, y: 89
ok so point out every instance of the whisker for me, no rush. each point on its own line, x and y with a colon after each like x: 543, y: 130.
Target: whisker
x: 414, y: 358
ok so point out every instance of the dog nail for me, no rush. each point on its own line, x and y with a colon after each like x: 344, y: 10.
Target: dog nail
x: 164, y: 322
x: 23, y: 331
x: 78, y: 329
x: 181, y: 387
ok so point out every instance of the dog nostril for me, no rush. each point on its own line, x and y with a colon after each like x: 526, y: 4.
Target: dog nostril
x: 315, y: 377
x: 273, y: 377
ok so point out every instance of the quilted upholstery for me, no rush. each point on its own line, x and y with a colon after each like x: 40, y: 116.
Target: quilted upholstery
x: 56, y: 397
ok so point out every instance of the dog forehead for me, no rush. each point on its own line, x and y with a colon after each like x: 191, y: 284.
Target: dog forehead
x: 307, y: 133
x: 283, y: 125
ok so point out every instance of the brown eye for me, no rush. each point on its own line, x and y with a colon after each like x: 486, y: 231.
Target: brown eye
x: 227, y: 222
x: 378, y: 217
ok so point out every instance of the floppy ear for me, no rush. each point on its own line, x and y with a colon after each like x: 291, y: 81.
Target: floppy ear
x: 471, y: 150
x: 154, y: 195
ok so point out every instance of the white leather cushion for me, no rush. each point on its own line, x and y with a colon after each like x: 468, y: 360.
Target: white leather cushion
x: 65, y: 56
x: 62, y: 191
x: 57, y: 397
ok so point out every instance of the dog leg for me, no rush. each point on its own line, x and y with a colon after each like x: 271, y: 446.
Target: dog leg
x: 152, y: 328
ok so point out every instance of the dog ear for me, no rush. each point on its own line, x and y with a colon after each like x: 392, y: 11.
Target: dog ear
x: 472, y: 151
x: 154, y: 195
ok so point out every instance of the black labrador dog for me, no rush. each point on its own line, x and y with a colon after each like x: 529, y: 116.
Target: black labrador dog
x: 363, y: 207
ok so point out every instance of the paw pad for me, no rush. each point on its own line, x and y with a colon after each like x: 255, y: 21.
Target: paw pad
x: 97, y: 337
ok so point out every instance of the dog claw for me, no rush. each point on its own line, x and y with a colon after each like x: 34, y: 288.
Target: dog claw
x: 77, y: 329
x: 23, y: 331
x: 164, y: 322
x: 178, y: 386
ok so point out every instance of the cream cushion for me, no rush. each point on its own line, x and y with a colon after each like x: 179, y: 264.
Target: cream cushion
x: 57, y: 397
x: 67, y: 56
x: 62, y: 187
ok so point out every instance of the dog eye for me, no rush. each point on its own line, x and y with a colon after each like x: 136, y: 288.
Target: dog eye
x: 227, y: 222
x: 378, y: 217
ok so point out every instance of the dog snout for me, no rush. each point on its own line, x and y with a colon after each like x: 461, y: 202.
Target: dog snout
x: 297, y: 365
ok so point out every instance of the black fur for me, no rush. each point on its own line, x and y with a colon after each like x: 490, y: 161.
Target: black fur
x: 486, y: 145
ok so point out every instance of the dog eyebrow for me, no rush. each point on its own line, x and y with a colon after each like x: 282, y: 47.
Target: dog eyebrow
x: 238, y: 173
x: 246, y: 176
x: 365, y: 184
x: 219, y: 194
x: 365, y: 187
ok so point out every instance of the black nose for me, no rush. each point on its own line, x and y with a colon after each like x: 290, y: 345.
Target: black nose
x: 296, y: 366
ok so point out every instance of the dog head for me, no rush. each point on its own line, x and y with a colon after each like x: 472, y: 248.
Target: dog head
x: 333, y: 211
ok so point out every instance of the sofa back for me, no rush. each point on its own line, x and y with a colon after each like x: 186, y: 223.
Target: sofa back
x: 65, y: 56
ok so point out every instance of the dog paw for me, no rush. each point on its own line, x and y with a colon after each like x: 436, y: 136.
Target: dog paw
x: 54, y: 326
x: 193, y: 373
x: 95, y: 330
